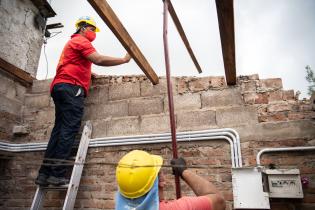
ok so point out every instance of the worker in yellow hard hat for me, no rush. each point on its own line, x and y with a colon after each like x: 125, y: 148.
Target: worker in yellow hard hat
x: 68, y: 90
x: 141, y: 185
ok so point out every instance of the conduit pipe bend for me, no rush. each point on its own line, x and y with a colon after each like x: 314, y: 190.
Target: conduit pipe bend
x: 281, y: 149
x: 225, y: 134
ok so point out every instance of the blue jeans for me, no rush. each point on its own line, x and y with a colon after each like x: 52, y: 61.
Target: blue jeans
x: 69, y: 106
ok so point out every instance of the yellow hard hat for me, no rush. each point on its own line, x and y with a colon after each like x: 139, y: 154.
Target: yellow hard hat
x: 136, y: 173
x: 87, y: 19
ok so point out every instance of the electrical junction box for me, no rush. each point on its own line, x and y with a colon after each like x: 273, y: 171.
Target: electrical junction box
x: 283, y: 183
x: 248, y: 189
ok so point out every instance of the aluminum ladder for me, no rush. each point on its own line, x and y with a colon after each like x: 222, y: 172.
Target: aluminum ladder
x: 72, y: 187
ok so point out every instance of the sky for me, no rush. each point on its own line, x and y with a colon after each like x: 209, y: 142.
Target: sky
x: 274, y: 39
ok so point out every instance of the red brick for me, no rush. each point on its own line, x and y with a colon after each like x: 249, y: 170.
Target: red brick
x: 199, y: 84
x: 309, y: 198
x: 273, y: 117
x: 288, y: 95
x: 217, y: 82
x: 295, y: 115
x: 275, y: 96
x: 278, y: 107
x: 261, y: 98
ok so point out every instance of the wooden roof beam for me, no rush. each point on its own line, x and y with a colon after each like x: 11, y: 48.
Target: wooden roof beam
x: 183, y: 35
x: 109, y: 17
x: 17, y: 73
x: 225, y: 12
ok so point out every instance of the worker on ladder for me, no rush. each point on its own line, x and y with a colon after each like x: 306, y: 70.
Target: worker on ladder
x: 68, y: 90
x: 141, y: 184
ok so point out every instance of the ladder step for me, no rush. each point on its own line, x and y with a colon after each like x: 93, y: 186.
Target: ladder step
x: 61, y: 187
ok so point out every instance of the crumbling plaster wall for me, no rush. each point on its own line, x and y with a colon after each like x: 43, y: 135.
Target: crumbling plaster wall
x: 12, y: 95
x: 262, y: 112
x: 21, y: 40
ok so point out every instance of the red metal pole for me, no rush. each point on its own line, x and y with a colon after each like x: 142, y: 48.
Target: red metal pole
x: 170, y: 93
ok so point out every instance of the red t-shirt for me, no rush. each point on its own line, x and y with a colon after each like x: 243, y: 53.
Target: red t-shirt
x: 73, y: 67
x: 187, y: 203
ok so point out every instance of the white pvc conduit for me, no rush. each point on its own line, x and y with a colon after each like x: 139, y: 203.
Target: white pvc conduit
x: 227, y: 134
x: 281, y: 149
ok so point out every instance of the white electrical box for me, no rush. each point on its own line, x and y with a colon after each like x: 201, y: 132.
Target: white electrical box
x: 284, y: 183
x: 248, y: 189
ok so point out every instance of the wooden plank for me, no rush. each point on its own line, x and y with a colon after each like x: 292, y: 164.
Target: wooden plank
x: 16, y: 72
x: 183, y: 35
x: 225, y: 12
x: 109, y: 17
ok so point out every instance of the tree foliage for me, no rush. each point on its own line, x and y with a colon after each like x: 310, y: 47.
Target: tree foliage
x: 311, y: 79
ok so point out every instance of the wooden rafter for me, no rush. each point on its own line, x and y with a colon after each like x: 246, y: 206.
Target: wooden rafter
x: 183, y: 35
x: 16, y: 72
x: 109, y: 17
x: 225, y: 12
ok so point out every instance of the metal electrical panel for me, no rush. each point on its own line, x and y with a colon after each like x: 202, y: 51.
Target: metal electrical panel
x: 284, y: 183
x: 248, y: 189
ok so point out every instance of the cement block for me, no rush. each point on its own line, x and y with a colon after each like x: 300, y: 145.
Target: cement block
x: 148, y: 89
x: 10, y: 105
x: 271, y: 84
x: 7, y: 87
x: 145, y: 106
x: 37, y: 100
x: 272, y: 131
x: 103, y: 111
x: 97, y: 95
x: 188, y: 101
x: 45, y: 116
x: 219, y: 98
x: 20, y: 130
x: 202, y: 119
x: 99, y: 128
x: 123, y: 126
x: 40, y: 86
x: 236, y: 116
x: 159, y: 123
x: 248, y: 86
x: 20, y: 92
x: 123, y: 91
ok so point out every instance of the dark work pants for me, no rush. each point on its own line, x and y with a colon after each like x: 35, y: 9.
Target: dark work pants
x: 69, y: 105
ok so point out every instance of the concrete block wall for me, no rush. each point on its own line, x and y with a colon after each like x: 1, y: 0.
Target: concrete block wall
x: 21, y: 40
x: 262, y: 112
x: 11, y: 106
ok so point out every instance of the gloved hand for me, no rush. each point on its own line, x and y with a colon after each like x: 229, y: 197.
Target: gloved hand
x: 178, y: 166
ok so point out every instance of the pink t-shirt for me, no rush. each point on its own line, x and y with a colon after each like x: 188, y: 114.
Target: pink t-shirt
x: 187, y: 203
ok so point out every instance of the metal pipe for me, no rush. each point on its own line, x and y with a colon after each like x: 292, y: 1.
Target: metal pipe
x: 170, y: 93
x: 132, y: 140
x: 281, y: 149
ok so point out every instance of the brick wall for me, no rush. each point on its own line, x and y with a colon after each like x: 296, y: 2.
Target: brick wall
x: 262, y: 112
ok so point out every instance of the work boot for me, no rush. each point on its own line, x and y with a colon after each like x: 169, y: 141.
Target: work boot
x: 41, y: 180
x: 57, y: 181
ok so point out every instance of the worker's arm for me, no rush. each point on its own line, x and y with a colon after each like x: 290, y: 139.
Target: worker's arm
x: 102, y: 60
x: 203, y: 187
x: 199, y: 185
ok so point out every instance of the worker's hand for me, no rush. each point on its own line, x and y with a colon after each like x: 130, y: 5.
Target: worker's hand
x: 178, y: 166
x: 127, y: 58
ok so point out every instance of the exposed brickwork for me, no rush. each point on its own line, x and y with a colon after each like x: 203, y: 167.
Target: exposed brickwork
x: 262, y: 112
